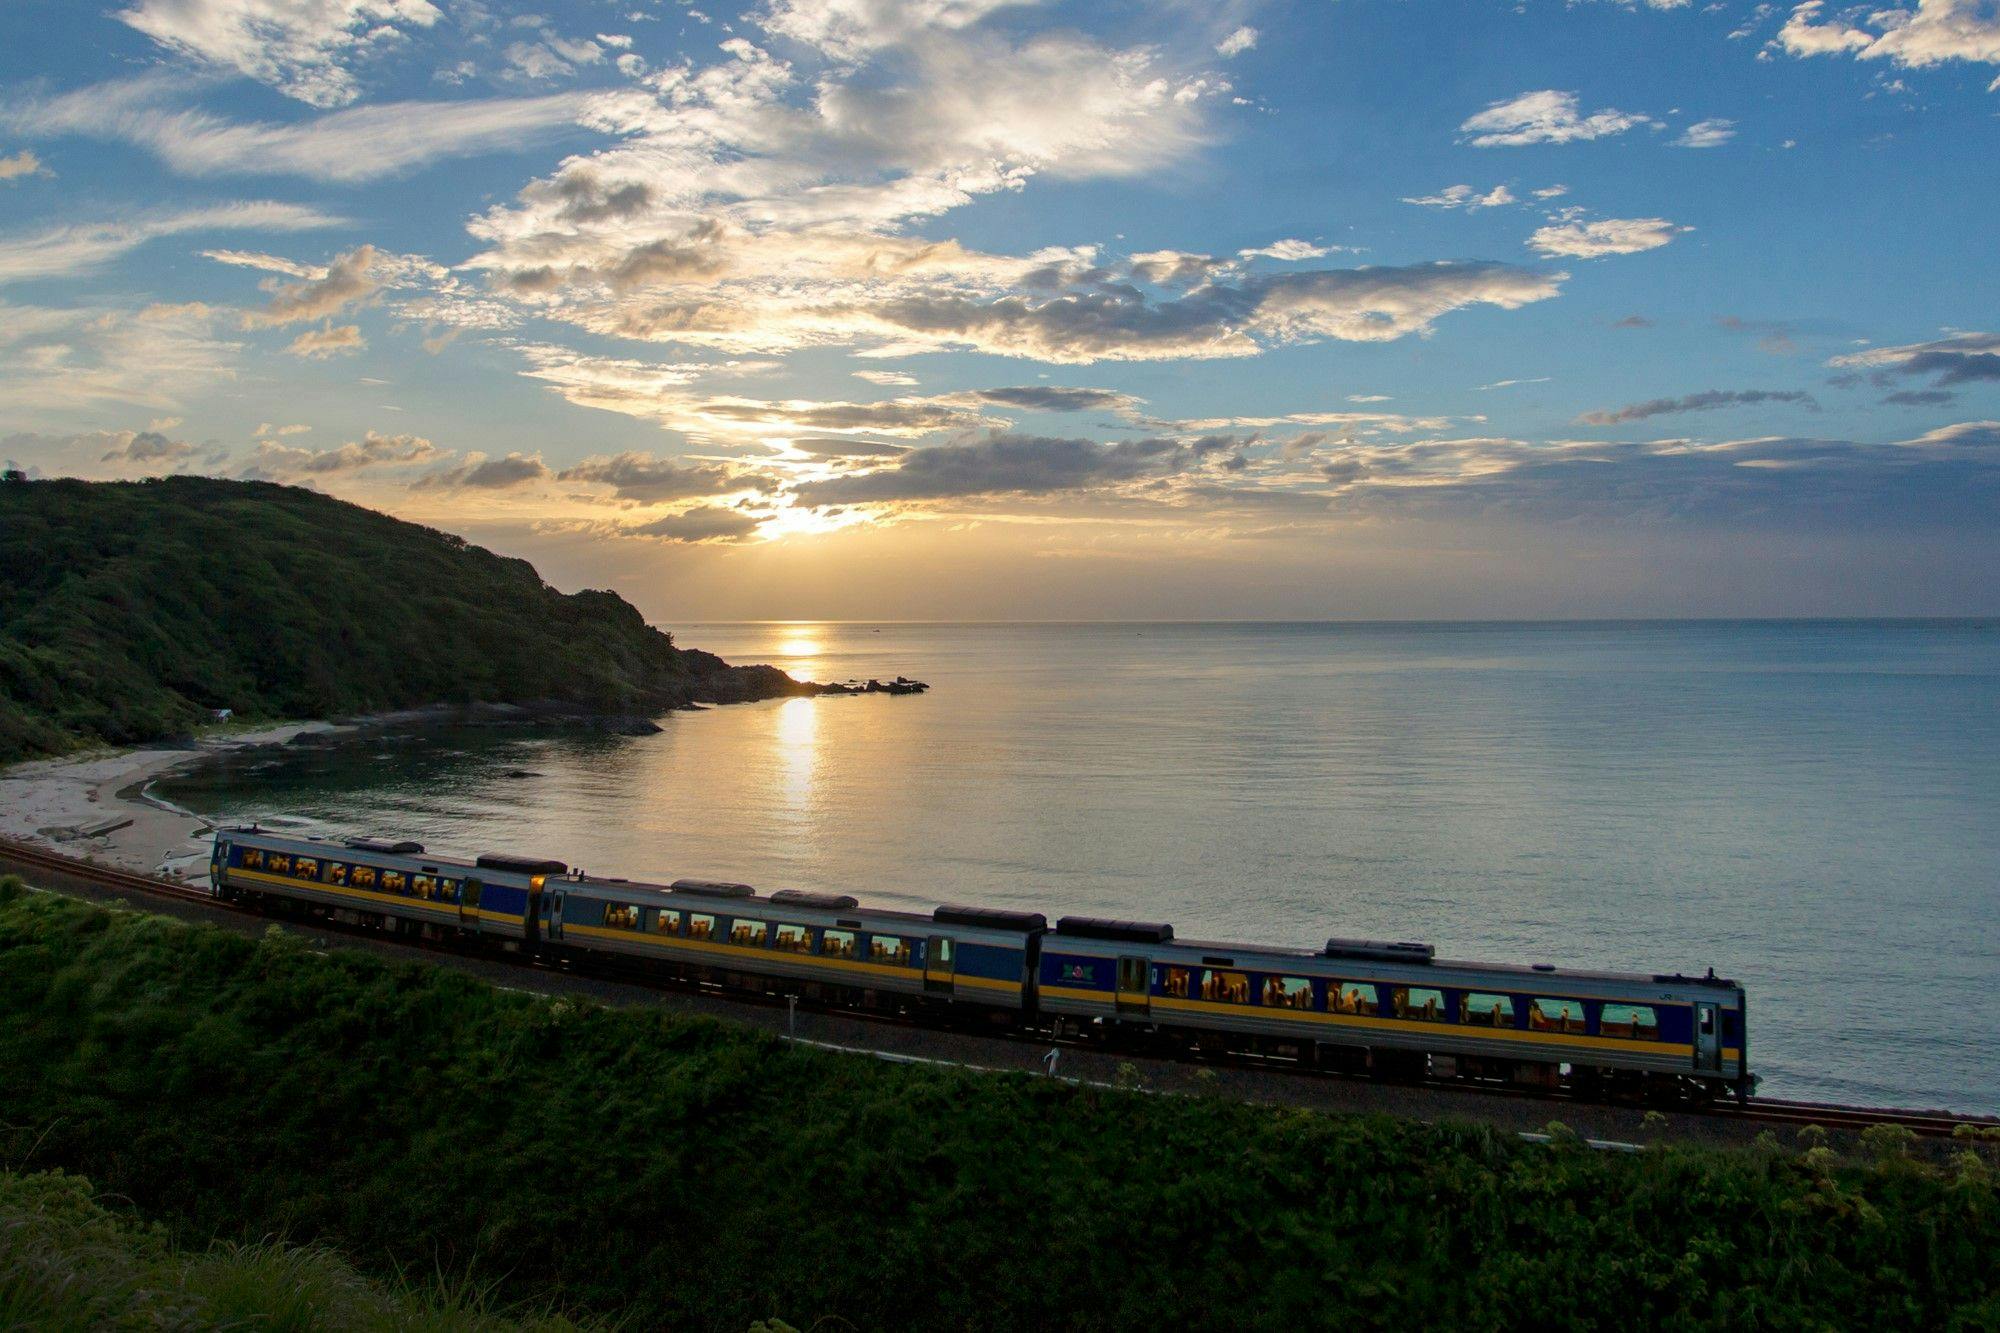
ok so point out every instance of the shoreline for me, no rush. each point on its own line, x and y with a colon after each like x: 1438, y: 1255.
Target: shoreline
x: 98, y: 805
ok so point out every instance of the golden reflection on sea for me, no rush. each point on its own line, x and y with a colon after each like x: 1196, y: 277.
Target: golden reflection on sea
x: 798, y: 749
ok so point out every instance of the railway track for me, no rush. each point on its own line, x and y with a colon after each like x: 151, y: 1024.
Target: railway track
x: 18, y: 855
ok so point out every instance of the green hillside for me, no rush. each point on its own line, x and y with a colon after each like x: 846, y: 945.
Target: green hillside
x: 130, y: 610
x: 676, y: 1173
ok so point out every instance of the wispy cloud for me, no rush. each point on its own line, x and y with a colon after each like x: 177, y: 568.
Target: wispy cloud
x: 303, y: 48
x: 1706, y: 401
x: 1606, y: 236
x: 1544, y: 117
x: 347, y: 147
x: 83, y: 248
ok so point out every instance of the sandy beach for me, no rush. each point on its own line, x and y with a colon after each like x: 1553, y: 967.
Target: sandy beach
x: 70, y: 804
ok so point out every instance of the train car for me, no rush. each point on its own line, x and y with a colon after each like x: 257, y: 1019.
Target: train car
x: 380, y: 882
x: 1395, y: 1007
x: 822, y: 946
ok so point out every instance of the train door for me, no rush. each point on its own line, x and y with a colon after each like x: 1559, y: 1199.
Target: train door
x: 468, y: 904
x: 1134, y: 986
x: 938, y: 968
x: 1707, y: 1039
x: 555, y: 917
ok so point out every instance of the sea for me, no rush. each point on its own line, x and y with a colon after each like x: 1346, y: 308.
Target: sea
x: 1812, y: 808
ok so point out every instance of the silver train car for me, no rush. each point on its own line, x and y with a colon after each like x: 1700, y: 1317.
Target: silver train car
x: 1393, y: 1009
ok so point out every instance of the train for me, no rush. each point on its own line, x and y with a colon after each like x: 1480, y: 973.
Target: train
x: 1391, y: 1009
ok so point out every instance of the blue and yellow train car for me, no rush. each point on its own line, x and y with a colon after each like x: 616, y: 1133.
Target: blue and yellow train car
x: 820, y: 945
x: 497, y: 896
x: 1395, y: 1006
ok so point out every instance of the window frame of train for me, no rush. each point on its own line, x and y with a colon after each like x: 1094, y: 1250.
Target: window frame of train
x: 840, y: 942
x: 939, y: 966
x: 1364, y: 1002
x: 668, y: 921
x: 1490, y: 1008
x: 1570, y: 1019
x: 1401, y: 1008
x: 627, y: 916
x: 1287, y: 989
x: 791, y: 937
x: 1629, y: 1021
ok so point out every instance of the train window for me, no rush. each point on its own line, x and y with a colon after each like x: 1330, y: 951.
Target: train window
x: 278, y: 865
x: 1635, y: 1021
x: 889, y: 949
x: 667, y: 923
x: 793, y: 939
x: 621, y: 916
x: 749, y: 934
x: 305, y: 868
x: 1546, y: 1015
x: 701, y: 926
x: 1352, y: 997
x: 395, y: 881
x: 1418, y: 1003
x: 1486, y: 1011
x: 364, y: 877
x: 1224, y: 987
x: 1288, y: 993
x: 837, y: 943
x: 336, y: 873
x: 424, y: 886
x: 1176, y: 981
x: 253, y: 858
x: 448, y: 890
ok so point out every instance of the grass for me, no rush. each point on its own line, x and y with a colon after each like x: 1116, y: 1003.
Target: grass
x: 683, y: 1173
x: 69, y: 1261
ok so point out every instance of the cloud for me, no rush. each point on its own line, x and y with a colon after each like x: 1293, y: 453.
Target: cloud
x: 144, y: 446
x: 1053, y: 398
x: 1934, y: 32
x: 1218, y: 319
x: 19, y: 166
x: 300, y: 47
x: 80, y: 248
x: 333, y: 340
x: 372, y: 450
x: 348, y: 279
x: 345, y: 147
x: 646, y: 479
x: 1963, y: 435
x: 1607, y: 236
x: 82, y: 357
x: 479, y: 472
x: 1000, y: 464
x: 1707, y: 134
x: 1463, y: 196
x: 847, y: 446
x: 848, y: 29
x: 887, y: 378
x: 1707, y: 400
x: 1176, y: 268
x: 269, y: 263
x: 1919, y: 397
x: 1547, y: 116
x: 1289, y: 250
x: 1633, y: 322
x: 704, y: 523
x: 1964, y: 358
x: 1237, y: 42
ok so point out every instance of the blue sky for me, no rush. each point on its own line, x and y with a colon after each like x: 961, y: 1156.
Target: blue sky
x: 968, y: 308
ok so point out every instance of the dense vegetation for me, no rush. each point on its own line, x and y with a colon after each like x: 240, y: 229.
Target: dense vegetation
x: 682, y: 1173
x: 69, y: 1262
x: 130, y: 610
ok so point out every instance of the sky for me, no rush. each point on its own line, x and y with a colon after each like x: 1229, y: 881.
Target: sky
x: 968, y: 309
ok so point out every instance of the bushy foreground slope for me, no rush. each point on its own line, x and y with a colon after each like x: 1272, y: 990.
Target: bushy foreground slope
x: 130, y: 610
x: 68, y: 1262
x: 688, y: 1174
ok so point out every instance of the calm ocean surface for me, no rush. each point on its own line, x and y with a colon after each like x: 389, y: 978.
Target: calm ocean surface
x: 1813, y: 808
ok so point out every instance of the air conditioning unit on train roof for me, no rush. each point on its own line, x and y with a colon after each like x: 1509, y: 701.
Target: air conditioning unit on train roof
x: 831, y: 902
x: 712, y: 888
x: 1381, y: 951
